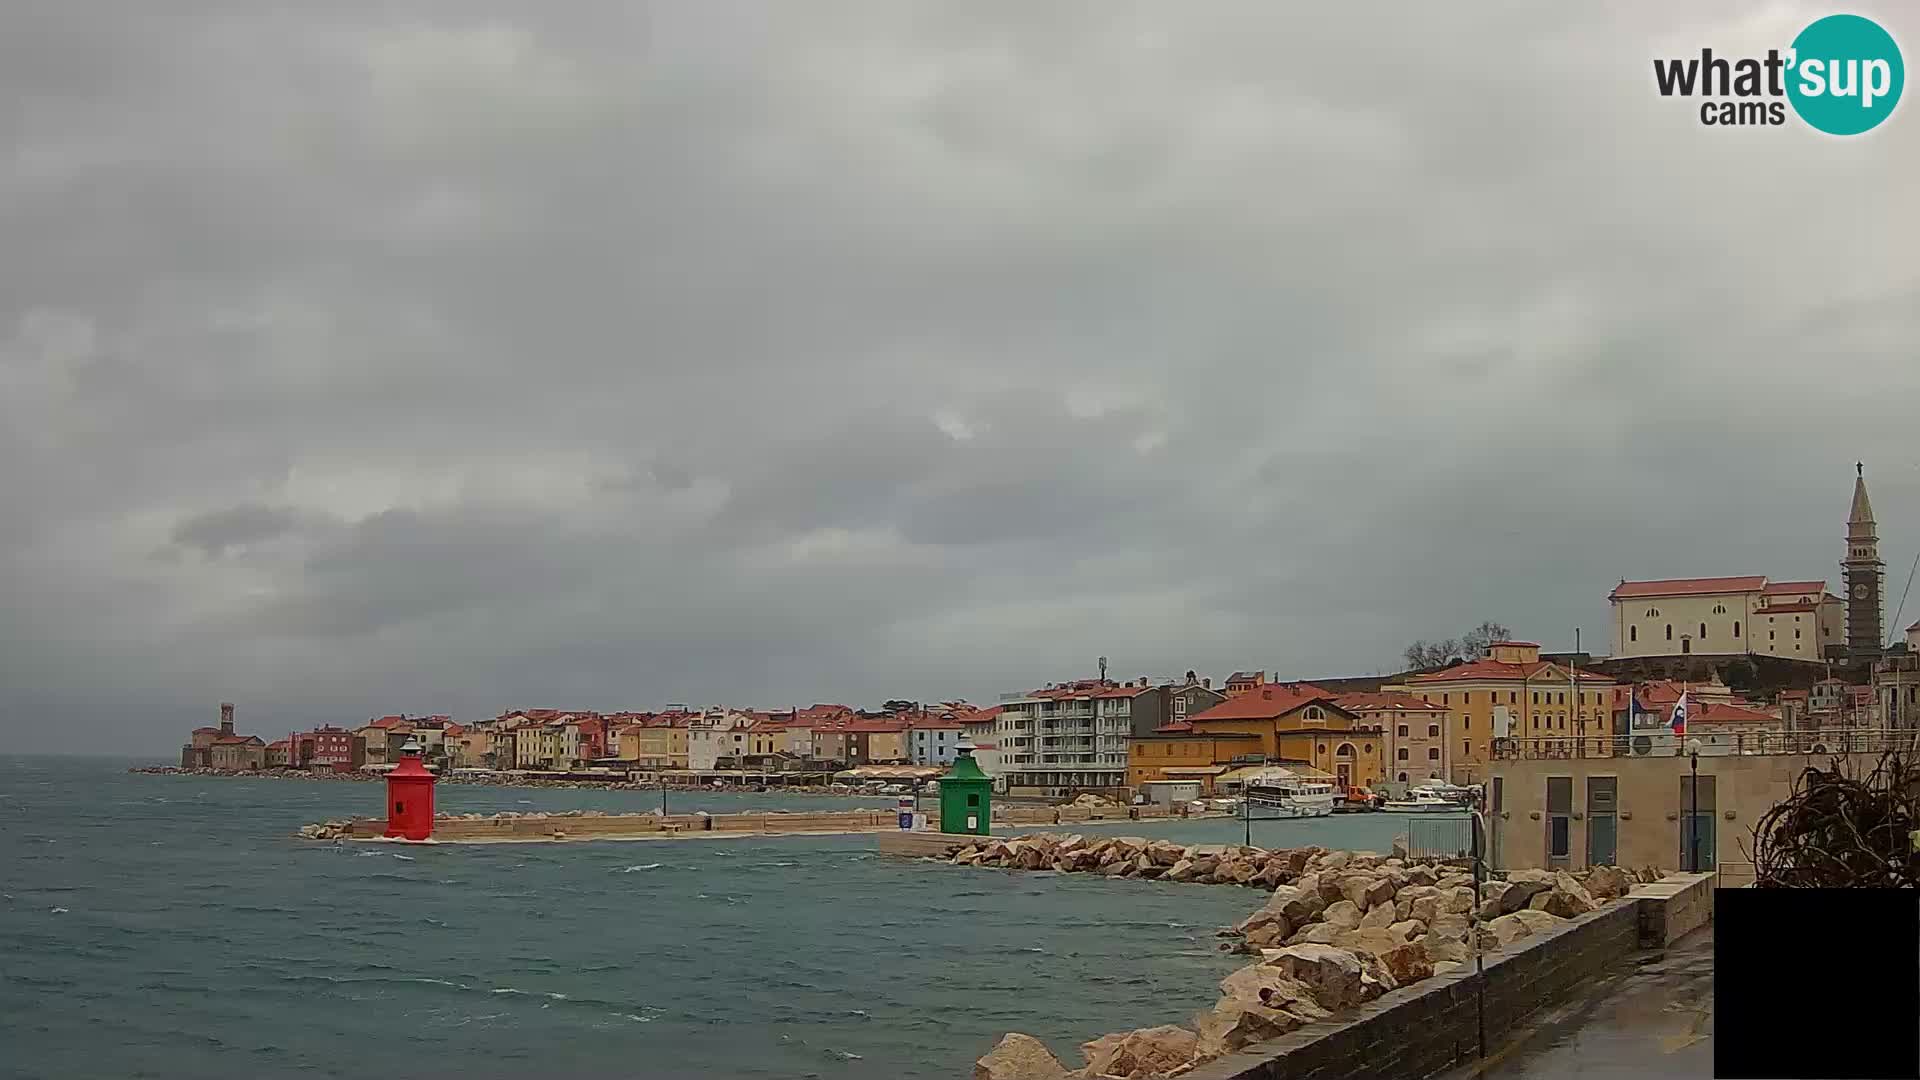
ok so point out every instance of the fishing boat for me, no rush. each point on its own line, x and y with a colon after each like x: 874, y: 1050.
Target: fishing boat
x: 1421, y: 802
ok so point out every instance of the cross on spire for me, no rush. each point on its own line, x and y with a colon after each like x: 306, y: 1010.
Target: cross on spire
x: 1860, y: 468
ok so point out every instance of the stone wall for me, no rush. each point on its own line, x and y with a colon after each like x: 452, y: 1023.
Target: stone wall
x: 1429, y: 1026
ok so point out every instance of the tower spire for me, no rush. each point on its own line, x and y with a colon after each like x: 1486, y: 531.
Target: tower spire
x: 1863, y: 572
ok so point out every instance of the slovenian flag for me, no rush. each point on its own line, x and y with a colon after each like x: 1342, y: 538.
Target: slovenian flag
x: 1678, y: 722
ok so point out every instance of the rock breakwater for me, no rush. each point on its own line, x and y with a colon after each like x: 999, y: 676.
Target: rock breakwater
x: 1340, y: 929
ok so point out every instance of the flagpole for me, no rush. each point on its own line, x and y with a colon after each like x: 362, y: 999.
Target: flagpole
x: 1573, y: 691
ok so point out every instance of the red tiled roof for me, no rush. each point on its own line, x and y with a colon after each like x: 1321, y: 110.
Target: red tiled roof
x: 206, y: 731
x: 1396, y: 700
x: 1703, y: 586
x: 1713, y: 712
x: 1174, y: 728
x: 1500, y: 669
x: 1268, y: 701
x: 936, y: 724
x: 1779, y: 588
x: 1793, y: 695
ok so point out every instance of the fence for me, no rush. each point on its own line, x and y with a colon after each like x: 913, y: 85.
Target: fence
x: 1711, y: 744
x: 1440, y: 836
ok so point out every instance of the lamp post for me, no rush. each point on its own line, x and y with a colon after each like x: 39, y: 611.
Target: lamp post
x: 1693, y: 810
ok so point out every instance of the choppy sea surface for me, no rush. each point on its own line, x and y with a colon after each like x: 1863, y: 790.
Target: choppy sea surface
x: 171, y: 926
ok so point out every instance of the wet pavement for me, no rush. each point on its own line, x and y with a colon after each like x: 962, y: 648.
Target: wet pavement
x: 1645, y: 1020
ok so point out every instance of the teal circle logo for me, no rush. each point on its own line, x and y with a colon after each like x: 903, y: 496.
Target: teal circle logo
x: 1845, y: 74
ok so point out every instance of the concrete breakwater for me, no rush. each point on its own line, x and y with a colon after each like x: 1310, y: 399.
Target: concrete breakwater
x: 511, y: 827
x: 1339, y: 930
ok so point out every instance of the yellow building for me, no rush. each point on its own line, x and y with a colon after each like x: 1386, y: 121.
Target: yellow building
x: 1417, y: 731
x: 1302, y: 722
x: 654, y: 747
x: 1512, y: 693
x: 1187, y: 755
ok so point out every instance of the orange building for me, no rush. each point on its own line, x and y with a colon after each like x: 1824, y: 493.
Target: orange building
x: 1177, y: 752
x: 1512, y: 693
x: 1303, y: 723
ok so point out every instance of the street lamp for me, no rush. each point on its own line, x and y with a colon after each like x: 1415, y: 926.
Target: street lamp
x: 1693, y: 810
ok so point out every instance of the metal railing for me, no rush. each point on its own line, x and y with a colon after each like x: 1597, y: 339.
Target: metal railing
x: 1716, y: 744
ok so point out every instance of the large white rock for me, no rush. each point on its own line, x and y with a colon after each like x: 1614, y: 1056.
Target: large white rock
x: 1607, y: 882
x: 1378, y: 917
x: 1344, y: 915
x: 1153, y: 1051
x: 1232, y: 1025
x: 1334, y: 975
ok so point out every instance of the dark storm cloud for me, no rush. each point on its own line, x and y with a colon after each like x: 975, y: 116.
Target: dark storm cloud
x: 364, y: 357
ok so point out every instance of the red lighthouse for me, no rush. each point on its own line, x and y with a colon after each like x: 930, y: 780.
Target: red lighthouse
x: 410, y: 796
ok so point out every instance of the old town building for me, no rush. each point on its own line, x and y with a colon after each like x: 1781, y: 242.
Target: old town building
x: 1513, y: 694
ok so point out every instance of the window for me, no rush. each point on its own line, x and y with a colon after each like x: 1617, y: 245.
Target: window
x: 1769, y: 635
x: 1796, y: 635
x: 1402, y: 731
x: 1536, y: 697
x: 1653, y: 613
x: 1443, y: 699
x: 1464, y: 751
x: 1433, y: 731
x: 1433, y: 753
x: 1403, y: 778
x: 1401, y: 755
x: 1563, y: 697
x: 1736, y: 628
x: 1345, y: 750
x: 1669, y: 631
x: 1314, y: 712
x: 1513, y: 697
x: 1703, y: 631
x: 1633, y: 633
x: 1367, y: 748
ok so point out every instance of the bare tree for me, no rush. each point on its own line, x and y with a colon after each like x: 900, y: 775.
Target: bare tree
x: 1478, y: 640
x: 1431, y: 654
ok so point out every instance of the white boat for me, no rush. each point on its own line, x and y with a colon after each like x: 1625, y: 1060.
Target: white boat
x: 1420, y: 802
x: 1291, y: 796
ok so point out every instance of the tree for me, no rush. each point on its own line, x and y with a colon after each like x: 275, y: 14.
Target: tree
x: 900, y: 705
x: 1475, y: 644
x: 1425, y: 654
x: 1478, y: 641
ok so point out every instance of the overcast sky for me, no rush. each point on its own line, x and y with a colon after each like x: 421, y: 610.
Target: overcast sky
x: 359, y: 358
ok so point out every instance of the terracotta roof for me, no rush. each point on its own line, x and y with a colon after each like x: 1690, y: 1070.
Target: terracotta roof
x: 1397, y: 700
x: 1713, y: 712
x: 1793, y: 695
x: 1247, y: 676
x: 1703, y: 586
x: 206, y: 731
x: 1780, y: 588
x: 1177, y: 726
x: 936, y: 724
x: 1268, y: 701
x: 1481, y: 670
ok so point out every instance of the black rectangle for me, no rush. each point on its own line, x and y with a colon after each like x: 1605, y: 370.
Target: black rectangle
x: 1869, y: 1013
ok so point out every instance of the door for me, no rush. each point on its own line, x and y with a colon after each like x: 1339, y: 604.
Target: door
x: 1603, y: 821
x: 1559, y: 822
x: 1345, y: 772
x: 1697, y: 848
x: 1686, y: 645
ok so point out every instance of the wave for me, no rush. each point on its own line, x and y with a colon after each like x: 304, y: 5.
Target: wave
x: 631, y: 869
x: 58, y: 911
x: 403, y: 858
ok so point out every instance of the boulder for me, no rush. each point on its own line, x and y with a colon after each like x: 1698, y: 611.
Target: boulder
x: 1307, y: 883
x: 1421, y: 875
x: 1263, y: 917
x: 1408, y: 929
x: 1179, y: 871
x: 1232, y: 1025
x: 1409, y: 963
x: 1298, y: 858
x: 1449, y: 925
x: 1333, y: 975
x: 1202, y: 866
x: 1458, y: 900
x: 1378, y: 917
x: 1153, y: 1051
x: 1509, y: 928
x: 1650, y: 874
x: 1344, y: 915
x: 1607, y: 882
x: 1369, y: 941
x: 1206, y: 851
x: 1118, y: 868
x: 1298, y: 905
x: 1144, y: 866
x: 1366, y: 889
x: 1332, y: 860
x: 1439, y: 948
x: 1265, y: 985
x: 1447, y: 967
x: 1320, y: 933
x: 1426, y: 908
x: 1165, y: 853
x: 1566, y: 899
x: 1268, y: 935
x: 1505, y: 897
x: 1019, y: 1057
x: 1328, y: 885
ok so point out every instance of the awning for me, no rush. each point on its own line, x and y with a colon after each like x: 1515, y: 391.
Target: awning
x: 1247, y: 773
x: 1195, y: 770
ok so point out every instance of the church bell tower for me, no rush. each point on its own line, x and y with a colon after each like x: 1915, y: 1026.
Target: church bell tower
x: 1862, y: 572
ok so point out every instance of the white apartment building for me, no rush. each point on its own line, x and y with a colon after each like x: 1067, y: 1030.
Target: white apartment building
x: 1066, y: 739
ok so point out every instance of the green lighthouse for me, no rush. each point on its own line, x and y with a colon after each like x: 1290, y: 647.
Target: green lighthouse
x: 966, y: 796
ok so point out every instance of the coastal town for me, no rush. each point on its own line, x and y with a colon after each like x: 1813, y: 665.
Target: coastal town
x: 1733, y: 669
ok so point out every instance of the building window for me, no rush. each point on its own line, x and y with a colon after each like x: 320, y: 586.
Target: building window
x: 1536, y: 697
x: 1403, y: 778
x: 1403, y: 731
x: 1443, y: 699
x: 1401, y: 754
x: 1433, y: 731
x: 1796, y: 635
x: 1633, y: 633
x: 1345, y: 751
x: 1703, y: 631
x: 1719, y: 609
x: 1669, y: 631
x: 1736, y: 628
x: 1433, y: 753
x: 1464, y: 751
x: 1559, y: 816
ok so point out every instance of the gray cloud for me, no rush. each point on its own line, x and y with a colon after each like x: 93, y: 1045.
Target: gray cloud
x: 455, y: 356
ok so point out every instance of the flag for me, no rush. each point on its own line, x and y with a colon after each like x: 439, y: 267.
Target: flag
x: 1635, y: 710
x: 1678, y: 722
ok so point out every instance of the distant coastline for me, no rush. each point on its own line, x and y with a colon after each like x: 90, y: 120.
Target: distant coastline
x: 489, y: 780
